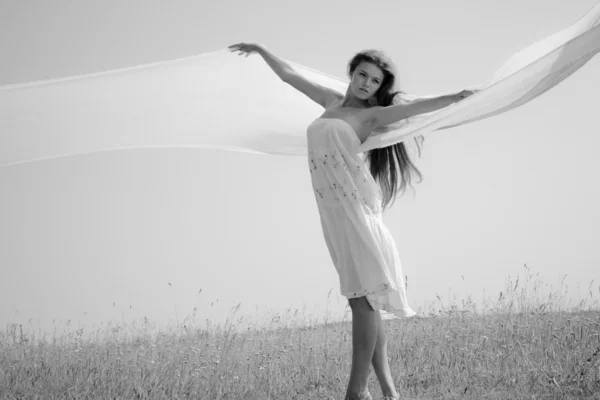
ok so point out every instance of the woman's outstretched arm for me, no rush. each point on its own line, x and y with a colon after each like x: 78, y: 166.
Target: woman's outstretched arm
x: 382, y: 116
x: 279, y: 66
x: 321, y: 95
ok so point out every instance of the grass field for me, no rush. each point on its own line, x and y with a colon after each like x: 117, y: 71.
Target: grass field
x: 518, y: 346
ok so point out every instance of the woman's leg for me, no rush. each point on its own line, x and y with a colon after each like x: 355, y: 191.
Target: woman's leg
x: 381, y: 364
x: 364, y: 338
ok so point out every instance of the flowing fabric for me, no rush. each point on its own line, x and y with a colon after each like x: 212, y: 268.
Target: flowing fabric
x: 220, y: 100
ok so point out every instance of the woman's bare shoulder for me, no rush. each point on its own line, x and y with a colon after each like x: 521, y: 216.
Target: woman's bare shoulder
x: 367, y: 116
x: 335, y: 101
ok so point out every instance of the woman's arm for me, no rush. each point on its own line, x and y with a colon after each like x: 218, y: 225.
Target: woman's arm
x: 382, y: 116
x: 319, y: 94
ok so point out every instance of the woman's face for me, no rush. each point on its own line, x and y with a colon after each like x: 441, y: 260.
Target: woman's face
x: 366, y: 80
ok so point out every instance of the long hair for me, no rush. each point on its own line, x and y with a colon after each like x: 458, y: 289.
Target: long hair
x: 391, y: 166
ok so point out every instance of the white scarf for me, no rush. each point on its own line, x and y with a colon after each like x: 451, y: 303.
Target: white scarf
x: 221, y: 100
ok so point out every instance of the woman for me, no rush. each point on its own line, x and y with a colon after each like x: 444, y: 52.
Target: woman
x: 352, y: 197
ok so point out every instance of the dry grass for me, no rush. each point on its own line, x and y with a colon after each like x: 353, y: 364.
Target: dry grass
x: 520, y: 346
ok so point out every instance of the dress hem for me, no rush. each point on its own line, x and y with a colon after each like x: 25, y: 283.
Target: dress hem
x: 374, y: 298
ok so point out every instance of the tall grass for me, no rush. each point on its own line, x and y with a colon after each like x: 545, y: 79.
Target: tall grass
x: 520, y: 345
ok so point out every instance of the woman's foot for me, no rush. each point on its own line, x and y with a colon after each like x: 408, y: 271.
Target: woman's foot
x: 394, y: 395
x: 391, y: 394
x: 363, y: 396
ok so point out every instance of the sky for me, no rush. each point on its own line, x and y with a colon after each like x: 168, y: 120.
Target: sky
x: 113, y: 237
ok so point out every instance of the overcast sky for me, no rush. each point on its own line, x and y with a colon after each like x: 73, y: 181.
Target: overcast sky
x: 117, y: 236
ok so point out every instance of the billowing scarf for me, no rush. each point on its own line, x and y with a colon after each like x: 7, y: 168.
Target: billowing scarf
x: 221, y: 100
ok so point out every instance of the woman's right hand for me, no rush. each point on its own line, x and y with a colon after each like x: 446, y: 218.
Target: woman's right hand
x: 245, y: 48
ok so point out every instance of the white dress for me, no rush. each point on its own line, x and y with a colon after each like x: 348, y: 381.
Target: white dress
x: 349, y: 202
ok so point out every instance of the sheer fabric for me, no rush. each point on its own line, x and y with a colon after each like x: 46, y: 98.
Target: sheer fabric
x: 220, y: 100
